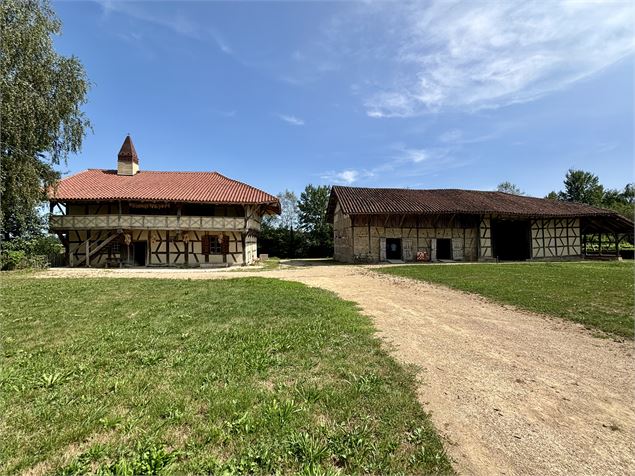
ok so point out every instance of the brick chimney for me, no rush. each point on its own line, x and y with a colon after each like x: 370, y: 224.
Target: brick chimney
x: 127, y: 160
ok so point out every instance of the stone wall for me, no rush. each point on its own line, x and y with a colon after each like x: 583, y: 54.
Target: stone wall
x: 362, y: 238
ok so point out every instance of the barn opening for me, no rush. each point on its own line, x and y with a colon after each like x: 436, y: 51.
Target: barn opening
x: 393, y: 248
x: 139, y: 249
x: 444, y: 248
x: 511, y: 239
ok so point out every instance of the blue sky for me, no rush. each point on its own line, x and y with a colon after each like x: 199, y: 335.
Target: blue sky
x: 421, y: 95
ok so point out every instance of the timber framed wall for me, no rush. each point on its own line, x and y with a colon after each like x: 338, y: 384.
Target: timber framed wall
x: 163, y: 248
x: 555, y: 238
x: 361, y: 238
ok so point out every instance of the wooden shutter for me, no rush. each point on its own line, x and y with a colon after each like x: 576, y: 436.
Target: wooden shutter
x: 205, y: 244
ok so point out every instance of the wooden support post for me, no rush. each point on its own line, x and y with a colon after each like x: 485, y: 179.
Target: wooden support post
x: 167, y: 247
x: 88, y: 251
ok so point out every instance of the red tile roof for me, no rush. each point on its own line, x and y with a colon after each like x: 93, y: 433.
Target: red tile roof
x: 193, y: 187
x: 357, y: 200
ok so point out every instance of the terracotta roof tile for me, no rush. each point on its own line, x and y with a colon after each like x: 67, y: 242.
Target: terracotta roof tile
x: 357, y: 200
x: 196, y: 187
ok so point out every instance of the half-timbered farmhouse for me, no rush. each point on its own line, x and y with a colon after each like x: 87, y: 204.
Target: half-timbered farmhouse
x: 129, y: 216
x: 376, y: 224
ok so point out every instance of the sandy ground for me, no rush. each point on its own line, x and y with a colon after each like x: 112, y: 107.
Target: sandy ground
x: 511, y: 392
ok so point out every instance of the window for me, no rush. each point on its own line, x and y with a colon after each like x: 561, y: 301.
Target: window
x: 212, y: 245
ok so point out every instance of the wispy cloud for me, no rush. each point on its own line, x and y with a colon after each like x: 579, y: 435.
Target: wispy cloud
x: 401, y: 165
x: 166, y: 16
x: 293, y: 120
x: 221, y: 43
x: 347, y: 177
x: 456, y: 55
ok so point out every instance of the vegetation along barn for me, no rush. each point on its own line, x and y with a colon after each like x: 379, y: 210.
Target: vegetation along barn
x: 377, y: 224
x: 132, y: 217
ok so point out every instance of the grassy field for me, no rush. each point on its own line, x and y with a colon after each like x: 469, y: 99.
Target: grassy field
x: 125, y: 376
x: 596, y: 294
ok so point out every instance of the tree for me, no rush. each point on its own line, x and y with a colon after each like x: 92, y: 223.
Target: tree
x: 312, y: 208
x: 582, y: 187
x: 509, y: 187
x: 42, y: 121
x: 552, y: 195
x: 279, y: 234
x: 622, y: 201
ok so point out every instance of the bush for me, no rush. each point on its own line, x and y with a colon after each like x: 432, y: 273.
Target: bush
x: 22, y: 253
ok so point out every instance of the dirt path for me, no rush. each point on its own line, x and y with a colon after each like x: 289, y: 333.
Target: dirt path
x: 512, y: 392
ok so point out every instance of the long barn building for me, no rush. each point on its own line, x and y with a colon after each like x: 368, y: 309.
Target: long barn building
x: 378, y: 224
x: 128, y: 217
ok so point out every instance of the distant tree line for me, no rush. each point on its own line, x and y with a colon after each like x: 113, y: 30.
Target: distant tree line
x: 585, y: 187
x: 302, y: 229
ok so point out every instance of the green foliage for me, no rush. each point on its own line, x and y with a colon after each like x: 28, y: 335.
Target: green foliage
x: 241, y: 376
x: 21, y: 253
x: 42, y: 123
x: 509, y: 187
x: 585, y: 187
x: 582, y: 187
x: 597, y: 295
x: 622, y: 201
x: 312, y: 208
x: 302, y: 230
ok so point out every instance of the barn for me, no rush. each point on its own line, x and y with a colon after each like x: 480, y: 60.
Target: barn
x: 387, y: 224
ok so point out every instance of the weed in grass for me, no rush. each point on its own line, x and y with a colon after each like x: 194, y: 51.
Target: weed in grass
x: 145, y: 458
x: 307, y: 449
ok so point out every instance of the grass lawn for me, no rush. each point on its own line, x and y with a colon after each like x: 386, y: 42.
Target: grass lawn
x: 596, y: 294
x: 132, y: 376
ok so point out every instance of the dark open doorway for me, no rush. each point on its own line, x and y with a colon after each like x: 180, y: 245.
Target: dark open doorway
x: 393, y: 248
x: 511, y: 239
x: 139, y: 250
x: 444, y: 248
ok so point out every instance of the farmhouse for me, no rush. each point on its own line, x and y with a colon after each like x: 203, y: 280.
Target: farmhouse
x: 377, y: 224
x: 132, y: 217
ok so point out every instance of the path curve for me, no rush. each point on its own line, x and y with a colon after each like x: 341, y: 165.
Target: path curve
x: 511, y: 392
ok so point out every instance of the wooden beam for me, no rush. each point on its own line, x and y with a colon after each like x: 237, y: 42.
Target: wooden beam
x: 90, y: 253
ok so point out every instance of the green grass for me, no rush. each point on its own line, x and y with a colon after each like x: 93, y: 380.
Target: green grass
x: 598, y: 295
x: 132, y: 376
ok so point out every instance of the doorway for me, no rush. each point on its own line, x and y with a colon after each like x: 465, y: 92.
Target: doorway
x: 444, y: 248
x: 393, y: 248
x: 511, y: 240
x: 139, y: 250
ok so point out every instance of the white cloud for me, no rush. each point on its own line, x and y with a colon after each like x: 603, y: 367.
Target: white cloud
x: 460, y: 55
x: 415, y: 155
x: 347, y: 177
x: 293, y: 120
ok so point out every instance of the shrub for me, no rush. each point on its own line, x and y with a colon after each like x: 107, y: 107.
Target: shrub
x: 22, y: 253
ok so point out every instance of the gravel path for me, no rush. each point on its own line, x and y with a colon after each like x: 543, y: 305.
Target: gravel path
x: 510, y: 391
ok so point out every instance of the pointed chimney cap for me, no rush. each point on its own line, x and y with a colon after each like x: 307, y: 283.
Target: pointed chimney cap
x: 127, y: 152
